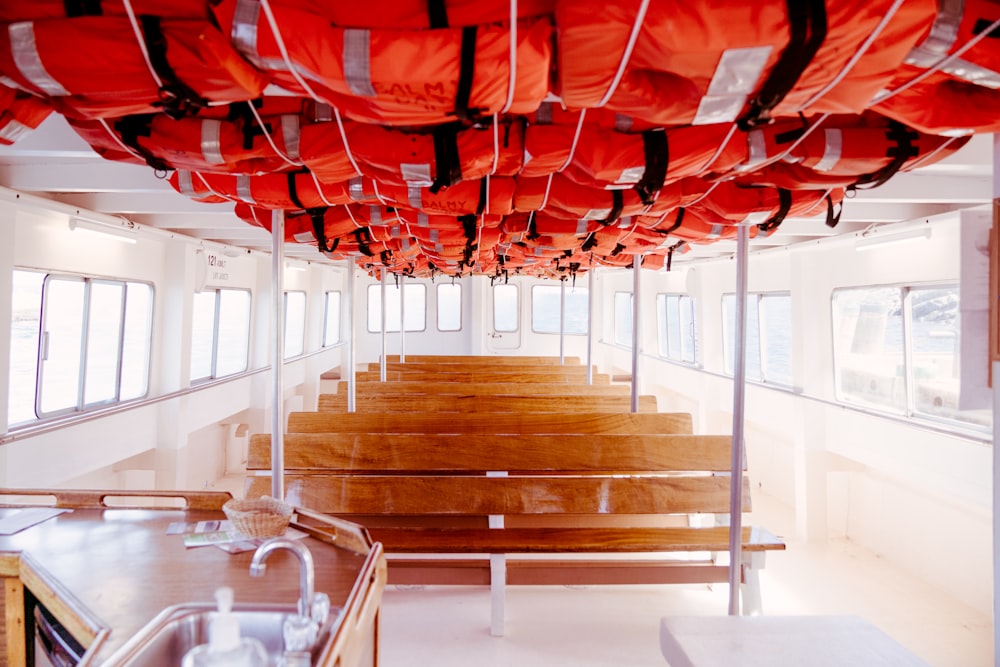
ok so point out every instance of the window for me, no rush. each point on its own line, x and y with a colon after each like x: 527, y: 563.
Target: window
x: 416, y: 307
x: 331, y: 321
x: 76, y: 343
x: 676, y: 327
x: 623, y: 318
x: 449, y: 307
x: 545, y: 309
x: 505, y: 308
x: 768, y: 340
x: 220, y: 333
x: 295, y: 324
x: 897, y: 349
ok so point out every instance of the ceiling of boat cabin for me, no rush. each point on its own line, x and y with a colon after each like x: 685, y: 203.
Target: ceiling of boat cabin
x: 55, y: 162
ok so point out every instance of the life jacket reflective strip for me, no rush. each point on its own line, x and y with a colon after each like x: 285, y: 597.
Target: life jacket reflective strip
x: 58, y: 58
x: 33, y: 10
x: 397, y: 77
x: 491, y: 196
x: 292, y: 190
x: 420, y: 14
x: 20, y: 113
x: 956, y: 25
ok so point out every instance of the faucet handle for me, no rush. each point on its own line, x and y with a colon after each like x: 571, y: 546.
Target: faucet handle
x: 299, y: 633
x: 320, y: 611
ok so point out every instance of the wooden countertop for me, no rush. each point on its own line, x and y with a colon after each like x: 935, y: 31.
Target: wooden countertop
x: 105, y: 573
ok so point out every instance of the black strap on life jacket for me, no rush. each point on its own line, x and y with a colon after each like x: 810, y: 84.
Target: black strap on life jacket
x: 617, y: 204
x: 364, y: 239
x: 589, y: 242
x: 318, y: 218
x: 677, y: 223
x: 466, y: 70
x: 76, y: 8
x: 448, y: 168
x: 902, y: 150
x: 177, y: 99
x: 481, y: 206
x: 784, y: 205
x: 130, y: 128
x: 670, y: 253
x: 437, y: 14
x: 833, y: 212
x: 532, y: 233
x: 617, y: 251
x: 981, y: 26
x: 808, y: 28
x: 293, y: 189
x: 657, y: 154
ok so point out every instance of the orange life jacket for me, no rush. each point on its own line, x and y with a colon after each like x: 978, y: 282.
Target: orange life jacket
x: 20, y: 113
x: 191, y: 64
x: 681, y: 63
x: 291, y: 190
x: 394, y: 76
x: 33, y: 10
x: 492, y: 196
x: 419, y: 14
x: 561, y: 197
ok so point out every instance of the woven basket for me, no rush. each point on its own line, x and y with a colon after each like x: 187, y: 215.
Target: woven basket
x: 259, y: 517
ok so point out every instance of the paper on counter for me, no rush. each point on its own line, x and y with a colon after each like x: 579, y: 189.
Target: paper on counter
x: 27, y: 517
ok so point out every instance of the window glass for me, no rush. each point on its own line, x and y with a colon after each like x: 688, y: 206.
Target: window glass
x: 936, y: 353
x: 449, y: 307
x: 868, y: 347
x: 753, y: 368
x: 416, y: 307
x: 26, y: 309
x: 775, y: 323
x: 331, y: 320
x: 545, y: 309
x: 295, y: 323
x: 675, y: 327
x: 220, y: 333
x: 623, y: 318
x: 233, y: 339
x: 76, y: 342
x: 505, y: 308
x: 62, y: 344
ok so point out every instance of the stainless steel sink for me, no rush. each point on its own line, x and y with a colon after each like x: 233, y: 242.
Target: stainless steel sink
x: 177, y: 629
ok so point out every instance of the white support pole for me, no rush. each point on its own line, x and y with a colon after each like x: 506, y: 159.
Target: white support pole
x: 349, y: 362
x: 995, y: 377
x: 402, y: 321
x: 277, y: 353
x: 636, y: 268
x: 590, y: 326
x: 736, y: 469
x: 562, y: 321
x: 381, y: 366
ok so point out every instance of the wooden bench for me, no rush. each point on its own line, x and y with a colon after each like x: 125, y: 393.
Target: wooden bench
x: 520, y: 376
x: 483, y: 367
x: 492, y: 360
x: 481, y: 388
x: 543, y: 499
x: 467, y: 402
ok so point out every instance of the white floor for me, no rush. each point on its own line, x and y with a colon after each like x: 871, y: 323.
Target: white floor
x: 598, y: 626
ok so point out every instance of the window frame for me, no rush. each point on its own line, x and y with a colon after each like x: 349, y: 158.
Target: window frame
x: 284, y: 320
x: 762, y: 375
x: 663, y: 329
x: 631, y: 319
x: 517, y: 308
x: 376, y: 288
x: 559, y: 288
x: 327, y: 311
x: 438, y: 311
x: 216, y: 320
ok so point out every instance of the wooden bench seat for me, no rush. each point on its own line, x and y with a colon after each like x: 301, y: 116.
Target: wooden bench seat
x: 518, y: 376
x: 467, y: 402
x: 453, y: 508
x: 482, y: 388
x: 490, y: 360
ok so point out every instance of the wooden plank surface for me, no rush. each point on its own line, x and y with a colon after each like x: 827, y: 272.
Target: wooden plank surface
x: 568, y: 540
x: 464, y: 495
x: 482, y: 388
x: 12, y: 634
x: 478, y: 376
x: 474, y: 403
x: 492, y: 424
x: 483, y: 366
x: 492, y: 360
x: 364, y: 452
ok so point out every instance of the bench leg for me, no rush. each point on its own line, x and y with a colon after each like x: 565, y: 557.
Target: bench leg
x: 498, y: 593
x: 753, y: 562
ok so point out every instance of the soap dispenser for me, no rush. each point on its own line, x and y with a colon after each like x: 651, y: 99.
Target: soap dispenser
x: 225, y: 647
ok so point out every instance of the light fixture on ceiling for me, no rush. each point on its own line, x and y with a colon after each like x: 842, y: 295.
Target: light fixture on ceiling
x: 296, y: 266
x: 871, y: 239
x: 124, y: 232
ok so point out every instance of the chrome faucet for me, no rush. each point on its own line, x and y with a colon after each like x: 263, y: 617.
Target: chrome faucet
x: 306, y: 573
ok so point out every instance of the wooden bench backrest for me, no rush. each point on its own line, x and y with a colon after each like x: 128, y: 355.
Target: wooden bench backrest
x: 362, y: 453
x: 484, y: 375
x: 494, y: 360
x: 483, y: 388
x: 491, y: 424
x: 472, y: 403
x: 464, y: 495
